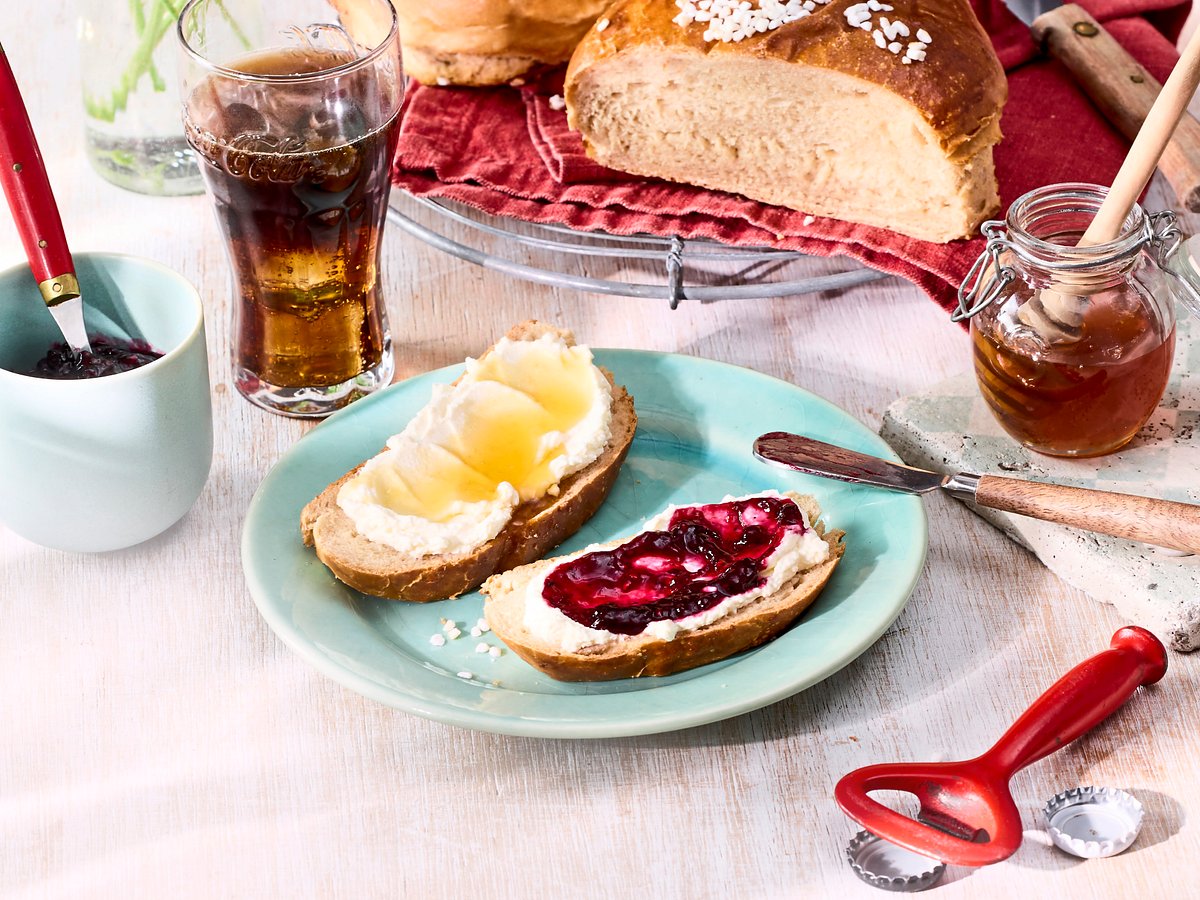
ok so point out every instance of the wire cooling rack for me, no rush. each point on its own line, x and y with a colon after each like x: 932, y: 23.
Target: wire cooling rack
x: 670, y: 269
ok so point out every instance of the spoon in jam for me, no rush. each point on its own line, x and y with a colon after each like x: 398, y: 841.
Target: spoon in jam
x: 23, y: 176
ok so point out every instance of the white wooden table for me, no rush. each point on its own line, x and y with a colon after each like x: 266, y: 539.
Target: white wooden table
x: 160, y: 741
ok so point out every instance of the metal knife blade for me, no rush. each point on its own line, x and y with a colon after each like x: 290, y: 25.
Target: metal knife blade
x: 1164, y: 523
x: 817, y: 458
x: 69, y: 316
x: 1028, y: 10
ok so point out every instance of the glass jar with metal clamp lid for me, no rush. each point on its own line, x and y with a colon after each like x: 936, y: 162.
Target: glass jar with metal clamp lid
x: 1073, y: 345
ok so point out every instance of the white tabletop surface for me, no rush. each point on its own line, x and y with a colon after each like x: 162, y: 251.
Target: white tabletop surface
x: 161, y: 741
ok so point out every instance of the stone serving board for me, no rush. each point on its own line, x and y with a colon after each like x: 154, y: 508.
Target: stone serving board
x: 950, y: 429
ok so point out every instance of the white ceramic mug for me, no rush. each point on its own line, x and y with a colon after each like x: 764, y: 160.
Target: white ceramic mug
x: 103, y: 463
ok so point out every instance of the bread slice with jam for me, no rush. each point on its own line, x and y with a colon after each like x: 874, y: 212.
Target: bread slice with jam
x: 632, y: 656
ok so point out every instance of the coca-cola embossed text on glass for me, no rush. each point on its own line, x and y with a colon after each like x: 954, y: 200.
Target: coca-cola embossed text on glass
x: 291, y: 108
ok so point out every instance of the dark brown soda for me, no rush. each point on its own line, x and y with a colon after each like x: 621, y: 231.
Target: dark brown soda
x: 300, y: 188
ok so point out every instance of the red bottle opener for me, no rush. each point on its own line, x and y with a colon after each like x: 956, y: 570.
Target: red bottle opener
x: 23, y: 176
x: 967, y: 815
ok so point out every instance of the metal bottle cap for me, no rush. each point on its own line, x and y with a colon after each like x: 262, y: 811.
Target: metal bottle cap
x: 884, y: 865
x: 1093, y: 821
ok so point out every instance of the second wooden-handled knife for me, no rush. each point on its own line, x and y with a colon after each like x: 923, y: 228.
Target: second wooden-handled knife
x: 1164, y: 523
x: 1117, y: 83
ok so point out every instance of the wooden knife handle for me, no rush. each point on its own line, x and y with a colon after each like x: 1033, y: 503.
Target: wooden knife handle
x: 1122, y: 89
x: 1164, y: 523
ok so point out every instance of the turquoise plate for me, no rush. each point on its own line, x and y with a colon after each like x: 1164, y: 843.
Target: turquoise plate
x: 696, y: 422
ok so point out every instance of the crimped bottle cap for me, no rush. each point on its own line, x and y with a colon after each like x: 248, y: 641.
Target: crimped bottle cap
x: 884, y: 865
x: 1093, y: 821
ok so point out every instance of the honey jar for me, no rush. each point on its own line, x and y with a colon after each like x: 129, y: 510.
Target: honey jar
x: 1073, y: 345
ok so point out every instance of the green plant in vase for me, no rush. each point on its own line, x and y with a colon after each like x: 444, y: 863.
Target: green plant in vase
x: 133, y: 127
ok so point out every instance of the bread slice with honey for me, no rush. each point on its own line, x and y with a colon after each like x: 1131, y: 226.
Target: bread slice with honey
x: 879, y: 113
x: 534, y: 529
x: 633, y: 656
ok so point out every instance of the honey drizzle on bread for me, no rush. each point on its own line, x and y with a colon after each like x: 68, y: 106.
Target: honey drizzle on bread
x: 535, y: 528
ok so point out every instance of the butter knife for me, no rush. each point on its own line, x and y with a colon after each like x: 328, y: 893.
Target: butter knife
x: 1164, y: 523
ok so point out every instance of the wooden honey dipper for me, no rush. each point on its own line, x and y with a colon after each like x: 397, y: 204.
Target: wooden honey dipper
x: 1057, y: 311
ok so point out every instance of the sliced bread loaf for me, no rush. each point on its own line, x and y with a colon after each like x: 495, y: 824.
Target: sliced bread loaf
x: 820, y: 114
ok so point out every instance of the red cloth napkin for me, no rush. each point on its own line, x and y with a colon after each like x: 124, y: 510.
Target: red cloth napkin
x: 510, y: 153
x: 559, y: 147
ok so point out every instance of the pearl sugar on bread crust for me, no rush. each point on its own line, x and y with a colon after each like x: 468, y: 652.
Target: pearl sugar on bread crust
x: 887, y: 32
x: 736, y: 20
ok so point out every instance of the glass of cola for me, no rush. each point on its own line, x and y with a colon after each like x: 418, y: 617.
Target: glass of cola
x: 292, y: 107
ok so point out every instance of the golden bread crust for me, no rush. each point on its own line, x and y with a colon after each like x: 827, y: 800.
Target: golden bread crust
x: 485, y: 42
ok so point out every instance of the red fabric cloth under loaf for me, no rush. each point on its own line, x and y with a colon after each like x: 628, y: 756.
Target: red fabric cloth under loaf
x: 508, y: 152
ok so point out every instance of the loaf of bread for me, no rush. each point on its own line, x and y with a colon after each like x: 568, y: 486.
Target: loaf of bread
x: 633, y: 656
x: 484, y: 42
x: 536, y: 526
x: 883, y: 113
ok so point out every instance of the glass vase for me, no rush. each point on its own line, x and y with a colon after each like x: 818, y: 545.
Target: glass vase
x: 132, y: 122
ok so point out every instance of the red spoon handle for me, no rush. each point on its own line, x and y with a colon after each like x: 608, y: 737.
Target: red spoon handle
x: 1080, y: 700
x: 34, y: 211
